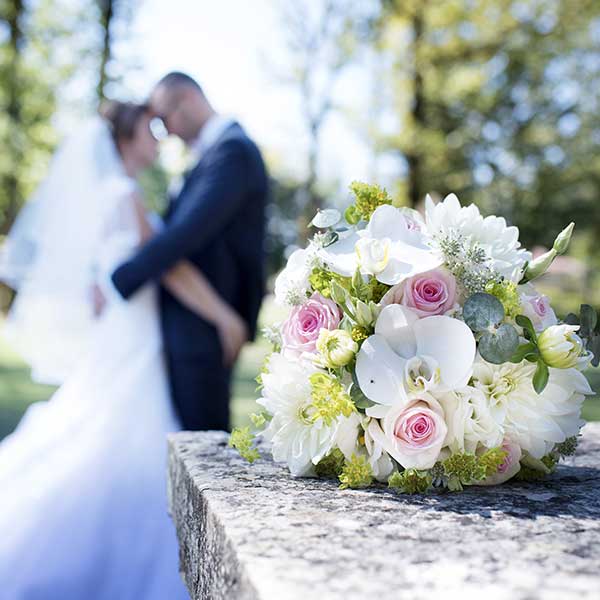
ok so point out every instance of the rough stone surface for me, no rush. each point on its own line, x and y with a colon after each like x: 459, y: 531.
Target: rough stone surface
x: 254, y: 532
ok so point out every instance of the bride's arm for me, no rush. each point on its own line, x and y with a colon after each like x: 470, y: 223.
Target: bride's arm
x: 194, y: 291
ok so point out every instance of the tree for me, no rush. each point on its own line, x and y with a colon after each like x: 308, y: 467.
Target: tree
x: 321, y: 40
x: 475, y: 87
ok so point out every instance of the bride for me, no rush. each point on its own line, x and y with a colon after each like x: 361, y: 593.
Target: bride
x: 83, y: 511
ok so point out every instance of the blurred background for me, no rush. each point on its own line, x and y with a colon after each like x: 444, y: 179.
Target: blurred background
x: 495, y: 100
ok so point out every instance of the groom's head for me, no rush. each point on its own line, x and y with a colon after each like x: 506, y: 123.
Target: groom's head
x: 180, y: 102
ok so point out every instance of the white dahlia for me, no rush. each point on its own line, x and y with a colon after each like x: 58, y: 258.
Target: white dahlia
x: 296, y: 436
x: 492, y: 236
x: 535, y: 421
x: 469, y: 420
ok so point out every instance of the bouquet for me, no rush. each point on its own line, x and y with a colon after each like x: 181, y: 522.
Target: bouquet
x: 417, y: 352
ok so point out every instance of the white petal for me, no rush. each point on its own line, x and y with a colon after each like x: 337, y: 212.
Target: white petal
x: 395, y: 324
x: 451, y: 343
x: 379, y: 371
x: 395, y: 272
x: 341, y: 256
x: 387, y: 222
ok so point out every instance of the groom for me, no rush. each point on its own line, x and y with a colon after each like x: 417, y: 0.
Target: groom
x: 216, y: 222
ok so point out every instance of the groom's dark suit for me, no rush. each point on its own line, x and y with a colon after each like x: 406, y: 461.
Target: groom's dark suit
x: 217, y: 223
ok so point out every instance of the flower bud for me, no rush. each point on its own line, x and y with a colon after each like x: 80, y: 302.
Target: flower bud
x: 336, y: 348
x: 364, y: 316
x: 560, y: 346
x: 338, y: 293
x: 539, y: 265
x: 561, y: 243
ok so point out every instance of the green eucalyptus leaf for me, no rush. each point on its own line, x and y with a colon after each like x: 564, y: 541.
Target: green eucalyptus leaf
x: 482, y: 311
x: 527, y: 325
x: 500, y: 345
x: 593, y: 346
x: 326, y: 218
x: 540, y: 377
x: 331, y: 237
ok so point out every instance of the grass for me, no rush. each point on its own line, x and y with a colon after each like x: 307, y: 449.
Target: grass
x: 17, y: 390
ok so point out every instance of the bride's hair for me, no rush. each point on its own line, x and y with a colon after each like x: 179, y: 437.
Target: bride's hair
x: 122, y: 117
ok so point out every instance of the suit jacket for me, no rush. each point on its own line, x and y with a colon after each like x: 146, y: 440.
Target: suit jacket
x: 216, y: 222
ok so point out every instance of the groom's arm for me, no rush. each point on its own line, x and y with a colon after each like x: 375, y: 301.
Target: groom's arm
x: 218, y: 195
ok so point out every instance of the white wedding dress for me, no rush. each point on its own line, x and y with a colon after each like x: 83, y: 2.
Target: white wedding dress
x: 83, y: 507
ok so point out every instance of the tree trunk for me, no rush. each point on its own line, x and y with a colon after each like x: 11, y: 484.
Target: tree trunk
x: 10, y: 183
x: 107, y: 12
x: 414, y: 155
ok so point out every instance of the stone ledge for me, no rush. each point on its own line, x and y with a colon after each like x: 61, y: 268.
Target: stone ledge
x: 253, y: 532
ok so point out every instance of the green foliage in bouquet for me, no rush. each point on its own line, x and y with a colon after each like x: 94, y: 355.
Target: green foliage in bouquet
x: 242, y: 440
x: 589, y: 330
x: 367, y: 199
x: 356, y: 473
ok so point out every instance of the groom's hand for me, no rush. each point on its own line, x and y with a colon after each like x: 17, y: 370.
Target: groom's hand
x: 233, y: 334
x: 98, y: 300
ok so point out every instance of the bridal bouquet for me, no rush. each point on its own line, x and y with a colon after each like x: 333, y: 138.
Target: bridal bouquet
x: 417, y: 352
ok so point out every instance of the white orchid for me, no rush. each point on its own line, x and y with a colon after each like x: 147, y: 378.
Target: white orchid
x: 386, y: 368
x: 391, y: 248
x: 498, y: 241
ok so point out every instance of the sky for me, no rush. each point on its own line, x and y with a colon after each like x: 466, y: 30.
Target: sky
x: 230, y: 47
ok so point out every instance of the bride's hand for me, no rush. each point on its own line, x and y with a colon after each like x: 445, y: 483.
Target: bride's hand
x: 233, y: 334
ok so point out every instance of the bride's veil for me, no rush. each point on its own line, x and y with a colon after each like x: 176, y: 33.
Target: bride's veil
x: 50, y: 255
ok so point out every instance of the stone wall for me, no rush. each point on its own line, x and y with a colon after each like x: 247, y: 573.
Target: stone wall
x: 254, y: 532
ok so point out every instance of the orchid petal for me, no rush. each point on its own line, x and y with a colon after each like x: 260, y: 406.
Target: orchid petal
x: 395, y: 324
x: 451, y: 343
x: 341, y: 256
x: 387, y: 222
x: 379, y: 371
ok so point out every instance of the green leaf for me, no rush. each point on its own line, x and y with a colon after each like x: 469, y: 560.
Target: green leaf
x: 359, y: 399
x: 540, y: 378
x: 527, y: 325
x: 499, y: 346
x: 523, y: 351
x: 589, y: 320
x: 351, y: 215
x: 572, y: 319
x: 482, y: 311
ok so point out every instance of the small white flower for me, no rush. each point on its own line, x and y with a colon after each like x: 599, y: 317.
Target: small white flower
x: 535, y: 421
x: 499, y: 241
x: 292, y: 284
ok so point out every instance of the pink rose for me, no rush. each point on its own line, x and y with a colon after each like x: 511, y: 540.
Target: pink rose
x: 539, y: 311
x: 412, y: 434
x: 509, y: 468
x: 430, y: 293
x: 301, y: 329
